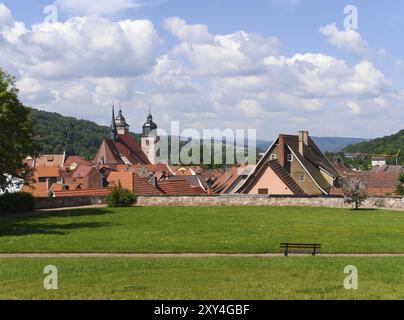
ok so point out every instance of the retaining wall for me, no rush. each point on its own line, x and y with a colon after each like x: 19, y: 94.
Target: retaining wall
x: 225, y: 200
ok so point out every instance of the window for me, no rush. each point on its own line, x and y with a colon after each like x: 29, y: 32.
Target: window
x: 302, y: 177
x: 147, y: 143
x: 273, y: 157
x: 263, y: 191
x: 290, y: 157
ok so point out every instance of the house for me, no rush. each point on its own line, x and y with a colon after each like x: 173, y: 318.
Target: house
x: 72, y: 162
x: 121, y: 148
x: 48, y: 160
x: 231, y: 180
x: 150, y: 186
x: 293, y: 165
x: 378, y: 161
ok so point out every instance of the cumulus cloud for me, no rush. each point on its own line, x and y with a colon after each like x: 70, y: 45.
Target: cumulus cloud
x: 347, y: 40
x: 236, y: 80
x: 83, y: 47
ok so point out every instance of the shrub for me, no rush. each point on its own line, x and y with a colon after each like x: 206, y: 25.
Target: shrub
x: 120, y: 197
x: 17, y: 202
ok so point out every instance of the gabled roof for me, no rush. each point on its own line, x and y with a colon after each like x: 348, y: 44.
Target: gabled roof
x: 82, y: 171
x: 50, y: 160
x: 108, y: 153
x: 128, y: 146
x: 285, y: 177
x: 75, y: 159
x: 313, y: 161
x: 313, y: 157
x: 229, y: 179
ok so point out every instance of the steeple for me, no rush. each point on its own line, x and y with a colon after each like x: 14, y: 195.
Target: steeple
x: 113, y: 125
x: 120, y: 123
x: 149, y: 127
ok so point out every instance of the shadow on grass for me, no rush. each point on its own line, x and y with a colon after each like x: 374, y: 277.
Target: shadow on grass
x: 362, y: 210
x: 24, y: 229
x: 57, y: 213
x: 30, y: 224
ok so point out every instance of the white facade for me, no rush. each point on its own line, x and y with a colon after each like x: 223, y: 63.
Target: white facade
x: 148, y: 145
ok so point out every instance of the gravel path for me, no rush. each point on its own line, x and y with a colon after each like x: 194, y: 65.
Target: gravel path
x: 183, y: 255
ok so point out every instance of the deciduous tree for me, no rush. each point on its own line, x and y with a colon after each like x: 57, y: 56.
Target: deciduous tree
x: 16, y: 135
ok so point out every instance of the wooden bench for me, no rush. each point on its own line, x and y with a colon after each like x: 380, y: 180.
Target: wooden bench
x: 312, y: 248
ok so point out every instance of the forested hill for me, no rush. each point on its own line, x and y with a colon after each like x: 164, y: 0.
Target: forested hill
x: 386, y: 145
x: 57, y: 133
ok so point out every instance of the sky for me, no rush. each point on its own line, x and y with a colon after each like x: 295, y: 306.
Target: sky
x: 277, y: 66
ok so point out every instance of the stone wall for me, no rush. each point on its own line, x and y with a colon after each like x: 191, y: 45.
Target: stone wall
x: 225, y: 200
x: 65, y: 202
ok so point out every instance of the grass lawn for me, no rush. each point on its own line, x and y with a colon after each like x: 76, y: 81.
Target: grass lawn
x: 203, y: 229
x: 203, y: 278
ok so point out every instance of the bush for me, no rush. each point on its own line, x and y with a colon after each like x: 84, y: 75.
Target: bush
x: 400, y: 185
x: 119, y: 197
x: 17, y: 202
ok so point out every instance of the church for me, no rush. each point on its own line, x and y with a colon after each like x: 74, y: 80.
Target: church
x: 121, y: 148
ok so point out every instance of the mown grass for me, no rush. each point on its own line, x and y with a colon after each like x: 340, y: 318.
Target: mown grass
x: 202, y: 278
x: 203, y: 229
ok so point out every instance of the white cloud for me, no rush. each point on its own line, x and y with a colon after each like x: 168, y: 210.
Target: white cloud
x: 354, y: 107
x: 83, y: 47
x: 6, y: 17
x: 236, y: 80
x: 347, y: 40
x: 218, y: 55
x: 100, y: 7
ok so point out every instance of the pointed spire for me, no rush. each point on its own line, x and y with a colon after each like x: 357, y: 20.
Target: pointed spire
x: 113, y: 125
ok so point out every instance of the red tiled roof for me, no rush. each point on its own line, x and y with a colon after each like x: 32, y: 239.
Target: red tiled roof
x: 134, y: 183
x: 76, y: 159
x: 142, y: 186
x: 223, y: 183
x: 83, y: 193
x: 179, y: 187
x: 50, y: 160
x: 37, y: 189
x: 43, y: 172
x: 82, y: 171
x: 128, y: 146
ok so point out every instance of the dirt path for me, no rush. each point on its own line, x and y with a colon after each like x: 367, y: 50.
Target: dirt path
x: 183, y: 255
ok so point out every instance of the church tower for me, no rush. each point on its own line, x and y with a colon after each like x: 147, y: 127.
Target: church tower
x: 149, y: 139
x: 120, y: 123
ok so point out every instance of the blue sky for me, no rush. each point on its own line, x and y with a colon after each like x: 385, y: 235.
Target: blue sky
x: 274, y: 65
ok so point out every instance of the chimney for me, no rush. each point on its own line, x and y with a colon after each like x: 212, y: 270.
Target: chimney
x: 303, y: 140
x: 281, y: 152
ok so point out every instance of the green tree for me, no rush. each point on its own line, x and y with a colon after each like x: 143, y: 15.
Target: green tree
x: 16, y: 135
x: 400, y: 185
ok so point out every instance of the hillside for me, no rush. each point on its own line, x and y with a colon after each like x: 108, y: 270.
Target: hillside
x: 326, y: 144
x: 386, y: 145
x: 57, y: 133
